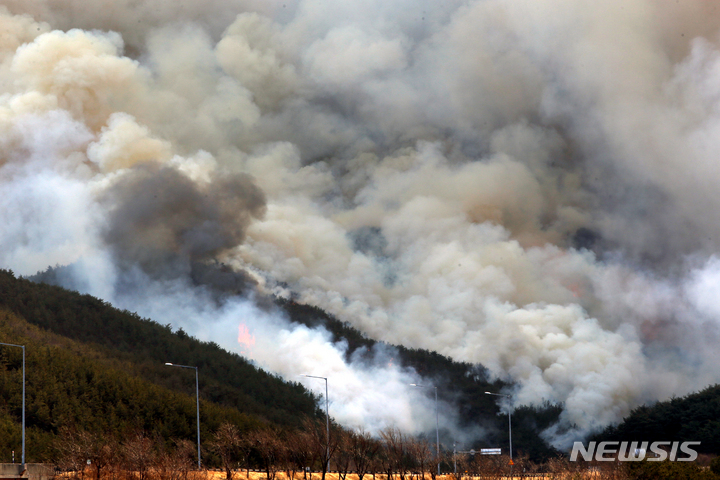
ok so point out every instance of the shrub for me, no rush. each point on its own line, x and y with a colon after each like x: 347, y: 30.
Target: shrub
x: 668, y: 470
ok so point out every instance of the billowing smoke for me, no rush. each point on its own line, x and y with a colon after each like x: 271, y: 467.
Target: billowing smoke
x: 157, y: 212
x: 530, y: 185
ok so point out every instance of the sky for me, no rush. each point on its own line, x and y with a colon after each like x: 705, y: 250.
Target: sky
x: 528, y: 185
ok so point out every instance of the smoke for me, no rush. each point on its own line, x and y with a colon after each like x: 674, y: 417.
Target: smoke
x: 156, y: 212
x: 528, y: 185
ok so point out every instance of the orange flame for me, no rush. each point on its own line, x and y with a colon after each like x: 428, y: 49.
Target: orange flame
x: 245, y: 338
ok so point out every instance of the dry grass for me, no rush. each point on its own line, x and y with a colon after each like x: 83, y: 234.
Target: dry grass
x: 559, y: 474
x: 220, y: 475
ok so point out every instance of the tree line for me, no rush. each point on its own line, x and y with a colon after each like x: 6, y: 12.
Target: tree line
x: 307, y: 453
x: 294, y: 452
x: 694, y: 417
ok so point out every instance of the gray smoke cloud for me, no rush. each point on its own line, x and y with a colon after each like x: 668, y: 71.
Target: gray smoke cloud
x: 157, y: 214
x: 529, y: 185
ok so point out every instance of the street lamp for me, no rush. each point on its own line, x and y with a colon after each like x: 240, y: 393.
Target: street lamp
x: 327, y: 416
x: 437, y: 421
x: 23, y: 400
x: 509, y: 423
x: 197, y: 400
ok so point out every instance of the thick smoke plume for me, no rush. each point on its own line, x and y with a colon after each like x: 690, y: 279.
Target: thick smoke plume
x: 530, y: 185
x: 156, y: 212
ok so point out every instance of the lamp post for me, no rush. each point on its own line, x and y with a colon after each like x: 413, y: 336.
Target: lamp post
x: 437, y: 422
x: 23, y: 401
x: 327, y: 417
x: 197, y: 401
x: 509, y: 423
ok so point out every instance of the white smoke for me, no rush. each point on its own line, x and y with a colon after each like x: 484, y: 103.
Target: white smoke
x: 528, y: 185
x: 370, y: 390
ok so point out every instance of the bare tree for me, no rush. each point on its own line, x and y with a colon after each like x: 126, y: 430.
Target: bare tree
x: 138, y: 455
x: 433, y: 464
x: 245, y: 449
x: 78, y: 448
x: 383, y: 463
x: 522, y: 464
x: 460, y: 465
x: 268, y: 447
x: 396, y: 446
x: 363, y: 450
x: 298, y: 453
x: 70, y: 451
x: 323, y: 447
x: 421, y: 453
x: 176, y: 464
x: 226, y: 444
x: 343, y: 456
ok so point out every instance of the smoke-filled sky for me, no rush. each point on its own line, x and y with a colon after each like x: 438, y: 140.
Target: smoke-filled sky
x: 531, y: 185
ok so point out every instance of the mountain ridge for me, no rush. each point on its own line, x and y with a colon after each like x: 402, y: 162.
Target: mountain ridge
x: 459, y: 384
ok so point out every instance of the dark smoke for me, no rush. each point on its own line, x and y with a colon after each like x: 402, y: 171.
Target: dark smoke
x: 162, y: 221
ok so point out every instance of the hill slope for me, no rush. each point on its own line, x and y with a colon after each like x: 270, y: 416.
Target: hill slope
x: 231, y: 381
x: 71, y: 385
x: 226, y: 378
x: 695, y: 417
x: 92, y: 367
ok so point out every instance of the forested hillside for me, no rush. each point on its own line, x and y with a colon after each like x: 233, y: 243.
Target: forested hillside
x: 135, y: 350
x: 71, y: 385
x: 695, y: 417
x: 91, y: 367
x: 226, y: 378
